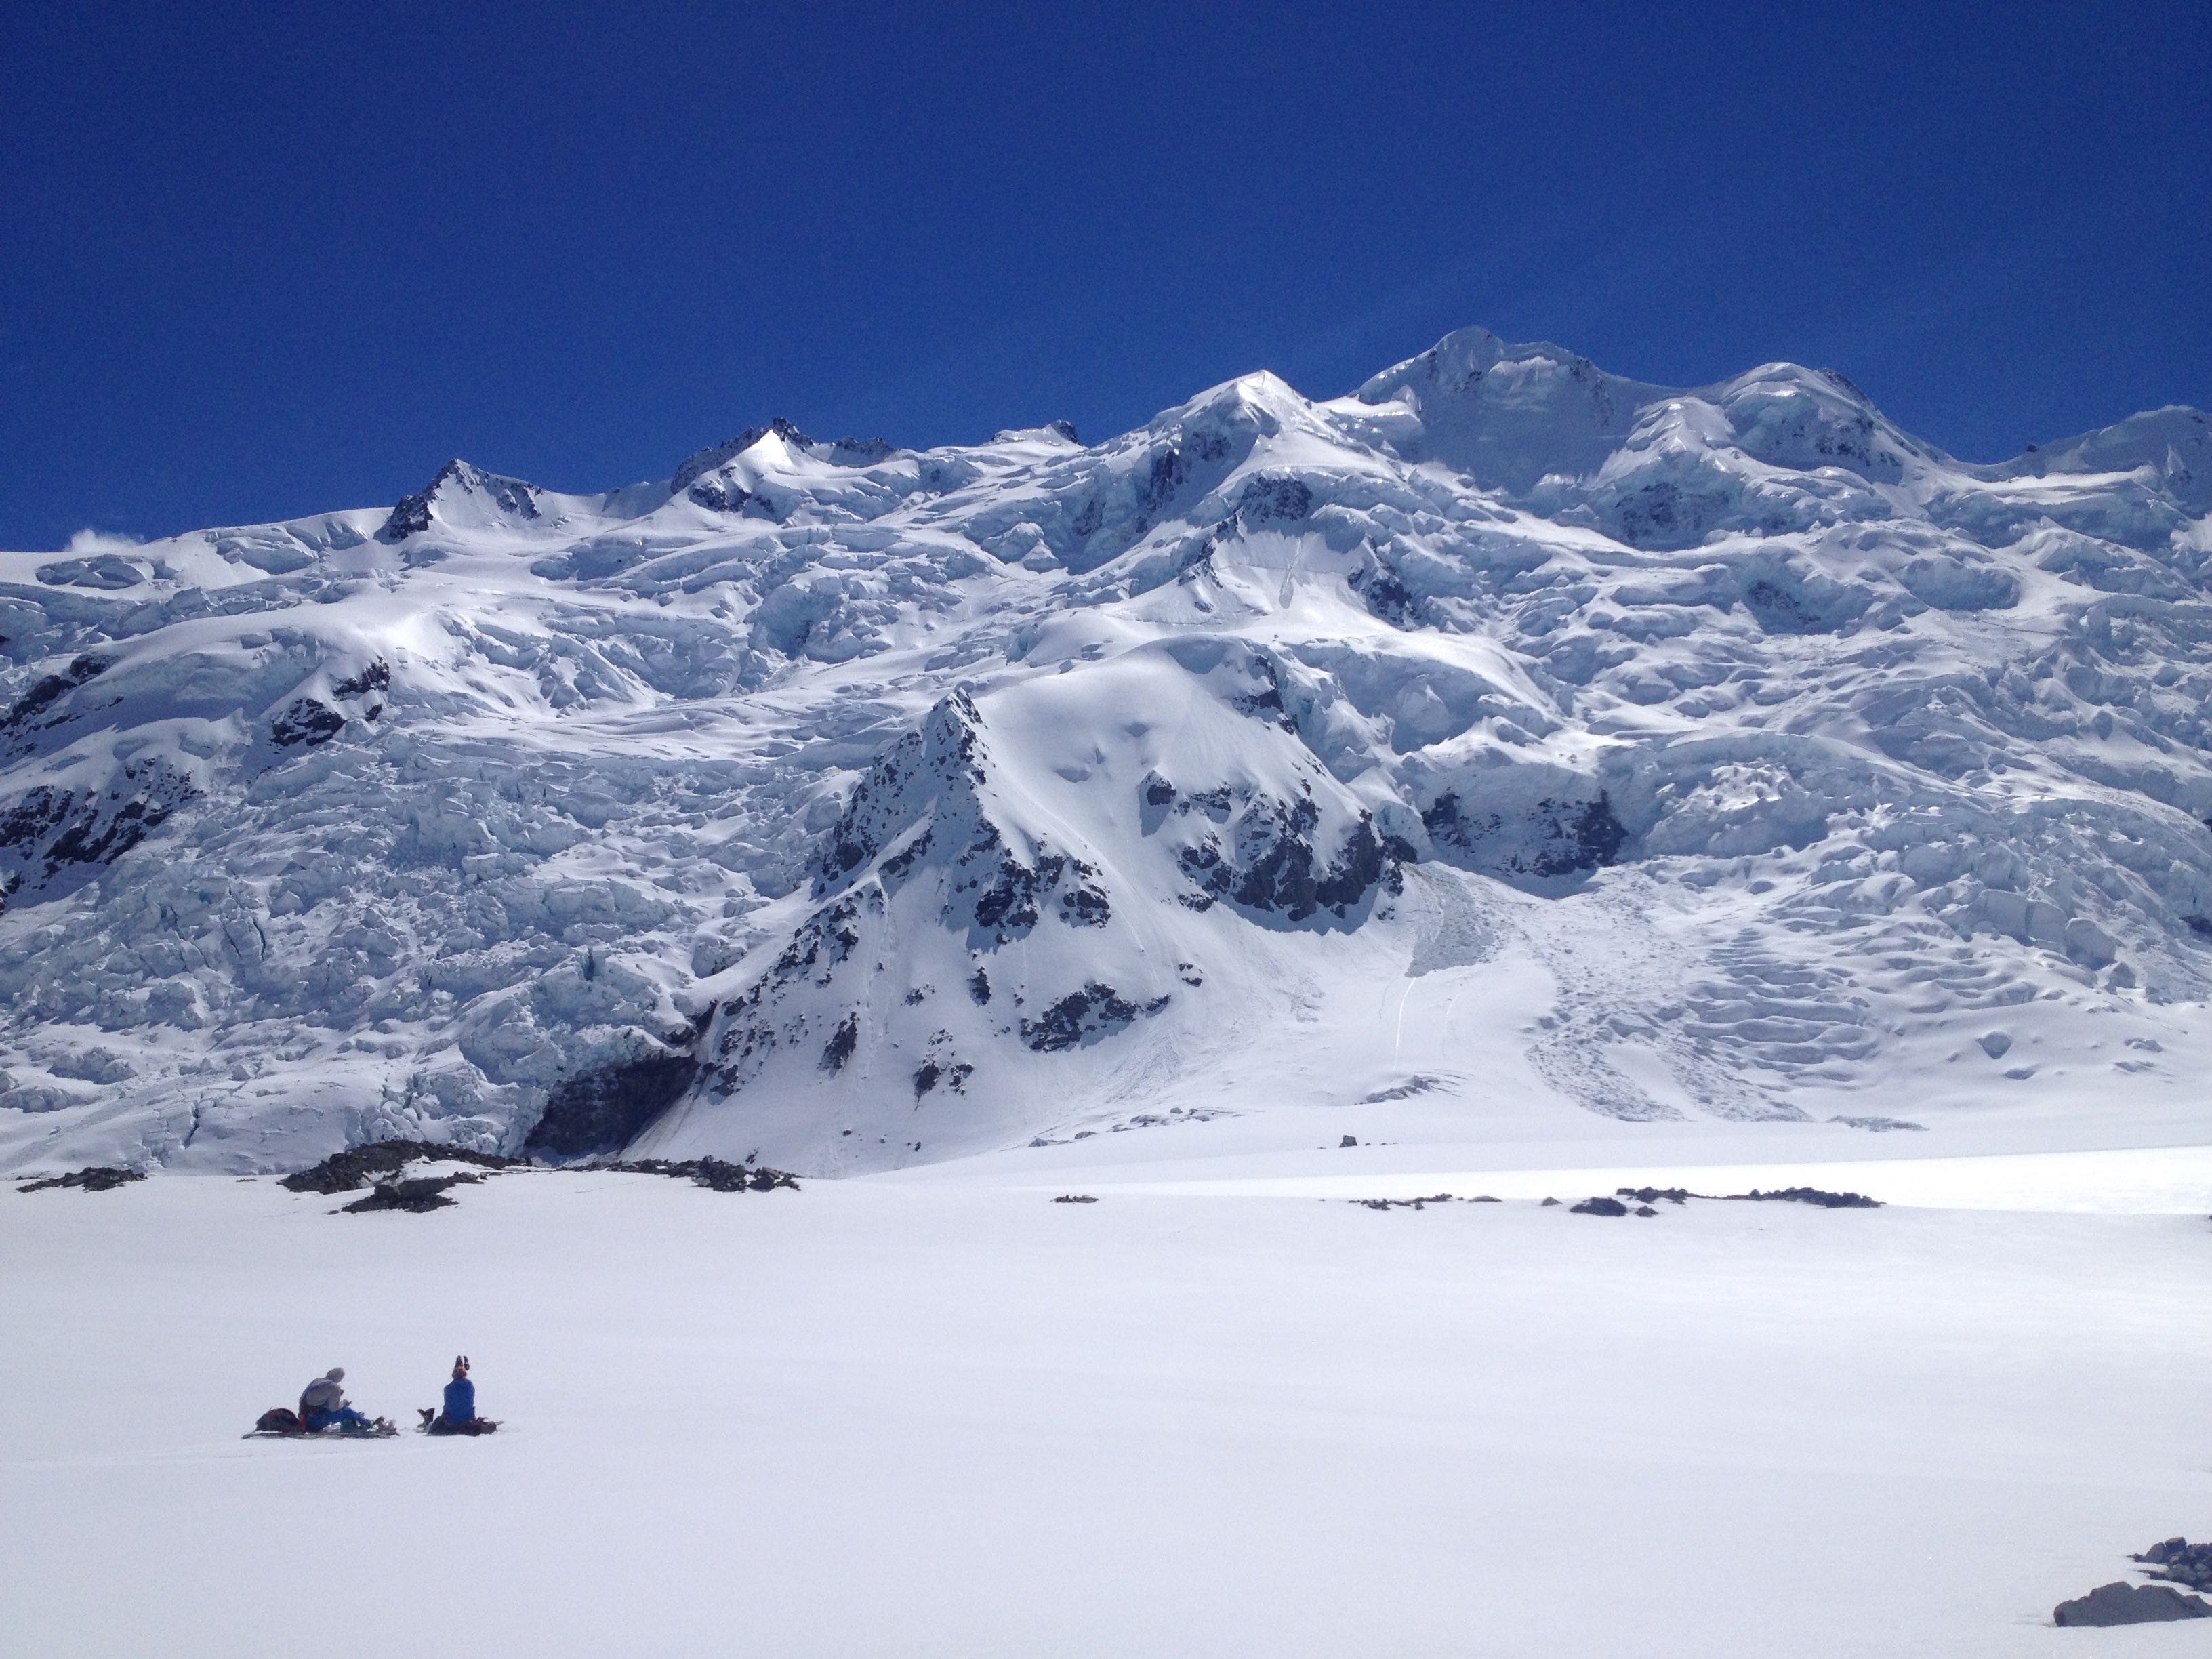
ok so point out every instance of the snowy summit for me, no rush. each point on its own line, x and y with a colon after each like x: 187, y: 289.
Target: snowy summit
x: 1507, y: 741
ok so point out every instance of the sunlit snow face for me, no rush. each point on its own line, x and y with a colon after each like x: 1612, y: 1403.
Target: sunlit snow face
x: 505, y: 807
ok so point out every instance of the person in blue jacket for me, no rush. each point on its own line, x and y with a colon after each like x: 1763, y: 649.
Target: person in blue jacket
x: 460, y: 1393
x: 460, y: 1415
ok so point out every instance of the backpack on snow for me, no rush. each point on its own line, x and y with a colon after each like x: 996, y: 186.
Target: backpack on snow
x: 280, y: 1419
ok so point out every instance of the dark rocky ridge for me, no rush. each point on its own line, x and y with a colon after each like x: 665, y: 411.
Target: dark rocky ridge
x: 411, y: 516
x: 604, y: 1110
x: 348, y: 1170
x: 100, y: 1178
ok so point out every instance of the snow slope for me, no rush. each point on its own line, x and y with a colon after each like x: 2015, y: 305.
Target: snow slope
x: 1506, y: 745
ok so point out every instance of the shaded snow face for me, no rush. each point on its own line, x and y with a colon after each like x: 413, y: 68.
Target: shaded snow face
x: 1723, y: 749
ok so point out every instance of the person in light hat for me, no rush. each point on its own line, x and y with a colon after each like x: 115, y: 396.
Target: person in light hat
x: 323, y: 1404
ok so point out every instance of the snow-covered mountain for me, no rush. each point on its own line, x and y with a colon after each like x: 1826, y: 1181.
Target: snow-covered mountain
x: 1505, y: 741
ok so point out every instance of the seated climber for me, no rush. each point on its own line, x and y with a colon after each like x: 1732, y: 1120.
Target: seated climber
x: 460, y: 1415
x: 323, y: 1404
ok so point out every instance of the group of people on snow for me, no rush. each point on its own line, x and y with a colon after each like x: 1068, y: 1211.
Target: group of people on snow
x: 323, y: 1405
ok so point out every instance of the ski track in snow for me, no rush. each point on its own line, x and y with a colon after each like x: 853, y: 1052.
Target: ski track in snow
x: 1507, y: 735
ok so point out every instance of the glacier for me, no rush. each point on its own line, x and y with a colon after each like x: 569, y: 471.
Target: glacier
x: 1504, y: 745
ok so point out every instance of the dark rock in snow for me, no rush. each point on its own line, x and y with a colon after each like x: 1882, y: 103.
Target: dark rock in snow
x: 1075, y: 1198
x: 1275, y: 868
x: 1094, y: 1010
x: 711, y: 1173
x: 343, y: 1172
x: 2183, y: 1561
x: 31, y: 818
x: 1275, y: 501
x: 410, y: 516
x: 50, y: 689
x: 99, y: 1178
x: 377, y: 676
x: 1008, y: 905
x: 720, y: 495
x: 304, y: 720
x: 140, y: 803
x: 1559, y: 836
x: 604, y: 1110
x: 1813, y: 1195
x: 1385, y: 593
x: 1349, y: 1141
x: 897, y: 866
x: 1084, y: 906
x: 842, y: 1041
x: 1169, y: 472
x: 418, y: 1196
x: 2130, y: 1604
x: 49, y: 830
x: 1265, y: 703
x: 1600, y: 1207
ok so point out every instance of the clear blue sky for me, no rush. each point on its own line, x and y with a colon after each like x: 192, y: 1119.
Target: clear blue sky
x: 258, y: 260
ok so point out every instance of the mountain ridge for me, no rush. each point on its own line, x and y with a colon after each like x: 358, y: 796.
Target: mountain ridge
x: 1765, y: 747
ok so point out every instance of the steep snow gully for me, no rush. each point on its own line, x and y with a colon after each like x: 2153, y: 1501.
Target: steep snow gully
x: 1505, y: 734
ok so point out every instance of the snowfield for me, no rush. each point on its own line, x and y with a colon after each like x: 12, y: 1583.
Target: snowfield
x: 935, y: 1413
x: 1508, y: 736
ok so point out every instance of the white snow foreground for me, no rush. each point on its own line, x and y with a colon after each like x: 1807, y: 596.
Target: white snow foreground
x: 934, y: 1414
x: 1507, y: 735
